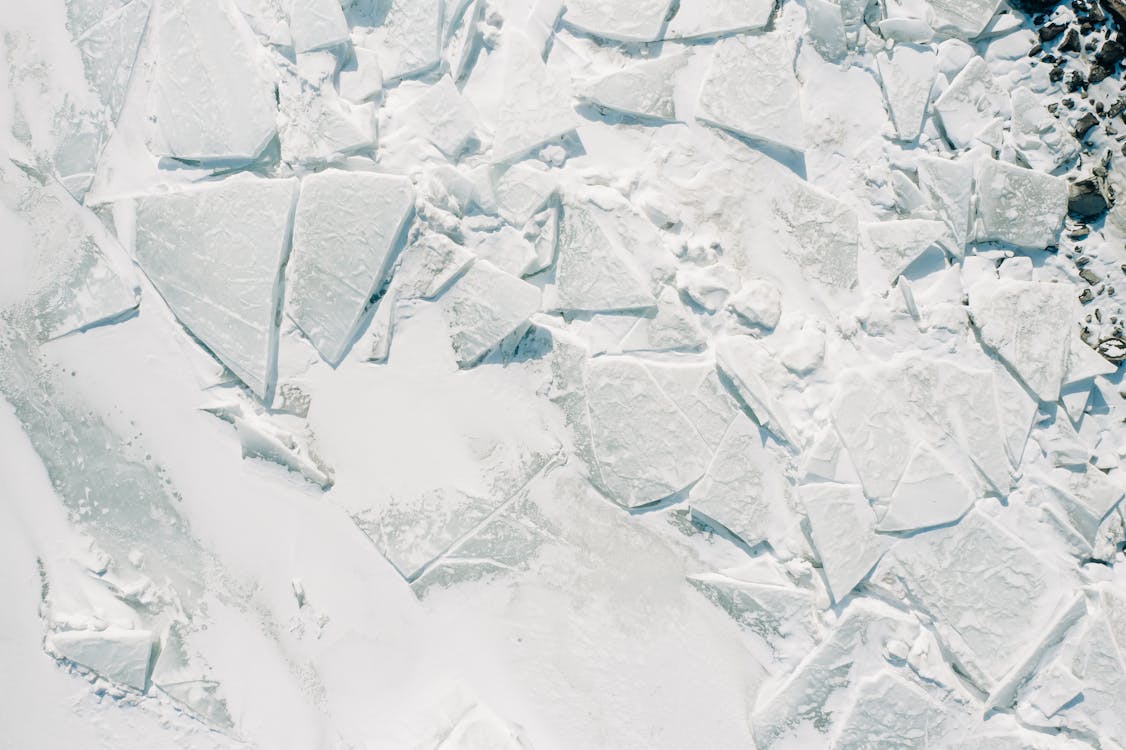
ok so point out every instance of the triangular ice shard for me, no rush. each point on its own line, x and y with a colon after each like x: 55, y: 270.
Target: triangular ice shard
x: 751, y: 90
x: 485, y: 307
x: 344, y: 238
x: 843, y: 528
x: 592, y: 274
x: 907, y: 73
x: 1029, y: 325
x: 646, y: 89
x: 215, y: 254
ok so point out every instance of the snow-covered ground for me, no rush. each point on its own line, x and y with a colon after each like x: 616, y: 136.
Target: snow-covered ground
x: 562, y: 374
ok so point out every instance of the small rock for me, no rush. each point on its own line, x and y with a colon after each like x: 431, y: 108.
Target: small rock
x: 1086, y: 296
x: 1085, y: 199
x: 1050, y: 31
x: 1090, y: 276
x: 1113, y: 349
x: 1116, y: 9
x: 1110, y: 54
x: 1097, y: 73
x: 1085, y: 123
x: 1070, y: 41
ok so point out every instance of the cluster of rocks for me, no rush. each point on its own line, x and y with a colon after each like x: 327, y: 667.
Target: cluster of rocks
x: 1084, y: 42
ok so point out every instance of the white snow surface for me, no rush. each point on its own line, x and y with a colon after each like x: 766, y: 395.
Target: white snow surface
x: 560, y: 374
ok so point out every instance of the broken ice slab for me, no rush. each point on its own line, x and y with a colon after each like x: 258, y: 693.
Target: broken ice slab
x: 759, y: 379
x: 260, y: 439
x: 750, y: 89
x: 697, y: 19
x: 317, y: 125
x: 484, y: 308
x: 646, y: 89
x: 907, y: 73
x: 948, y: 185
x: 415, y: 532
x: 507, y: 542
x: 670, y: 327
x: 361, y: 78
x: 696, y: 390
x: 982, y: 587
x: 646, y: 448
x: 973, y: 100
x: 1019, y: 206
x: 521, y: 190
x: 72, y: 285
x: 213, y: 98
x: 889, y: 247
x: 1029, y: 325
x: 1086, y: 495
x: 808, y: 704
x: 965, y: 412
x: 404, y: 34
x: 962, y: 18
x: 843, y: 529
x: 109, y: 51
x: 821, y: 234
x: 507, y: 249
x: 744, y: 490
x: 1042, y: 141
x: 124, y: 656
x: 317, y: 24
x: 782, y: 616
x: 873, y: 430
x: 825, y: 26
x: 201, y: 698
x: 444, y: 117
x: 346, y: 233
x: 593, y: 273
x: 890, y: 712
x: 929, y: 493
x: 216, y: 253
x: 536, y: 107
x: 619, y: 20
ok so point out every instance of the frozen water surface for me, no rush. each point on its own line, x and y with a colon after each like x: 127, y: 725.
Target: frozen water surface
x: 512, y: 374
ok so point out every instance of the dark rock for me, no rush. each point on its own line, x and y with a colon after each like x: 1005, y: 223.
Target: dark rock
x: 1090, y: 276
x: 1097, y: 73
x: 1036, y: 50
x: 1116, y: 9
x: 1070, y: 41
x: 1086, y: 295
x: 1050, y: 31
x: 1055, y: 75
x: 1117, y: 107
x: 1085, y: 199
x: 1074, y: 81
x: 1084, y: 124
x: 1110, y: 54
